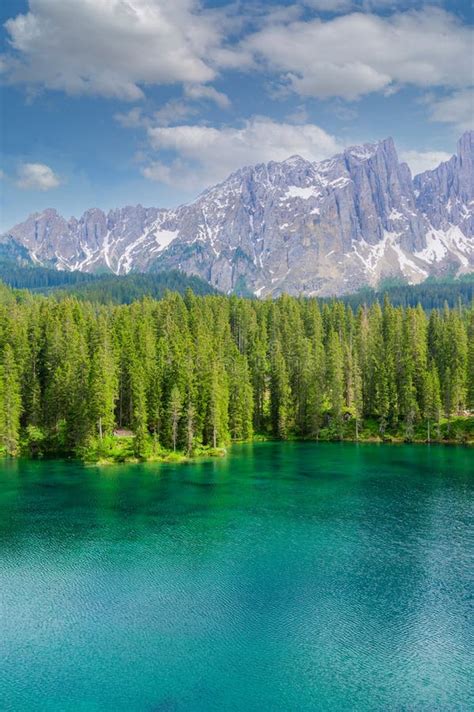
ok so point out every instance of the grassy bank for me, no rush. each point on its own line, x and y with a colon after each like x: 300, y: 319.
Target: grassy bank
x: 121, y: 448
x: 455, y: 430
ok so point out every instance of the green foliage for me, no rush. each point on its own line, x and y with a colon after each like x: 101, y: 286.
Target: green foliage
x: 189, y: 375
x: 111, y: 289
x: 22, y: 274
x: 433, y: 293
x: 34, y: 441
x: 10, y: 402
x: 102, y: 288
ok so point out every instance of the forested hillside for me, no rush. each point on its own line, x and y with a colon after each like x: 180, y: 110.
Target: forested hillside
x: 103, y: 288
x: 431, y: 294
x: 40, y: 278
x: 182, y: 373
x: 132, y: 287
x: 18, y: 272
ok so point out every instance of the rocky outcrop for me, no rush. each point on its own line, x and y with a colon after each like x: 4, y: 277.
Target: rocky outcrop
x: 445, y: 196
x: 294, y: 226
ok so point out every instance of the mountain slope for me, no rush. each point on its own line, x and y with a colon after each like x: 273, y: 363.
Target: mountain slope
x: 296, y: 226
x: 102, y: 288
x: 433, y: 293
x: 126, y: 289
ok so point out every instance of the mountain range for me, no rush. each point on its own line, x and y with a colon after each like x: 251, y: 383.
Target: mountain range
x: 294, y: 226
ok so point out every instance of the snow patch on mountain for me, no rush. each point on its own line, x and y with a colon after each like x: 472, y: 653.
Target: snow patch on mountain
x: 442, y: 243
x: 295, y: 191
x: 294, y: 226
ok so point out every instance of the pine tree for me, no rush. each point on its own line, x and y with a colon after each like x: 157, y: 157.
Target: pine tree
x: 138, y: 412
x: 335, y: 379
x: 280, y: 394
x: 457, y: 357
x: 316, y: 395
x: 358, y: 402
x: 432, y: 399
x: 103, y: 382
x: 10, y: 402
x: 240, y: 398
x: 216, y: 424
x: 470, y: 362
x: 175, y: 409
x: 190, y: 416
x: 31, y: 392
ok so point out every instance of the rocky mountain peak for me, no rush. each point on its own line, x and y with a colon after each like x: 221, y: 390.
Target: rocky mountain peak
x: 295, y: 225
x: 466, y: 147
x: 445, y: 195
x: 295, y: 160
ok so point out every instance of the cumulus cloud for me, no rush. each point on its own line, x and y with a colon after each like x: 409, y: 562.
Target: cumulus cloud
x: 36, y: 176
x: 113, y: 47
x: 457, y: 109
x: 421, y: 161
x: 356, y: 54
x: 116, y: 48
x: 204, y: 154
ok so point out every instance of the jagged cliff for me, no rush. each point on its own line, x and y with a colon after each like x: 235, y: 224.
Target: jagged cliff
x: 294, y: 226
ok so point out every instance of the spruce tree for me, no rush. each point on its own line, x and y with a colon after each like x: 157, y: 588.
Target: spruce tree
x: 280, y: 394
x: 335, y: 379
x: 175, y: 408
x: 103, y: 382
x: 10, y: 402
x: 432, y: 400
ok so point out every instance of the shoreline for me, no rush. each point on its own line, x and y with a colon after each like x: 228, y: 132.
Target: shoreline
x: 182, y: 459
x: 170, y: 457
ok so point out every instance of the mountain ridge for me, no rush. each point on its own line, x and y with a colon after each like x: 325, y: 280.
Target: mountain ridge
x: 297, y: 226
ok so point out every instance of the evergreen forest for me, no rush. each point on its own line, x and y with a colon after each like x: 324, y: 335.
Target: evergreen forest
x: 189, y: 374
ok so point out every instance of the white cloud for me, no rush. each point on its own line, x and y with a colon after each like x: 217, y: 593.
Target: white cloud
x: 330, y: 5
x: 200, y: 91
x: 357, y: 54
x: 132, y: 119
x: 173, y: 111
x: 170, y: 113
x: 205, y: 155
x: 36, y: 176
x: 113, y: 47
x: 421, y: 161
x: 172, y: 174
x: 457, y: 109
x: 116, y: 48
x: 300, y: 115
x: 339, y: 6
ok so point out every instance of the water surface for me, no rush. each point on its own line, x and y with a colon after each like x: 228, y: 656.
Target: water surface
x: 286, y: 577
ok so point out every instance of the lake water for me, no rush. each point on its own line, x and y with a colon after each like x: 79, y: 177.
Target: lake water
x: 285, y: 577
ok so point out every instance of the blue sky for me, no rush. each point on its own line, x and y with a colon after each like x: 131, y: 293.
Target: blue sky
x: 114, y: 102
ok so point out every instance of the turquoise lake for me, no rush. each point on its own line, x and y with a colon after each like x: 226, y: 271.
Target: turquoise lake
x: 285, y: 577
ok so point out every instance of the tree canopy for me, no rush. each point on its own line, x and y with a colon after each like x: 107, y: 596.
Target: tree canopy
x: 188, y: 370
